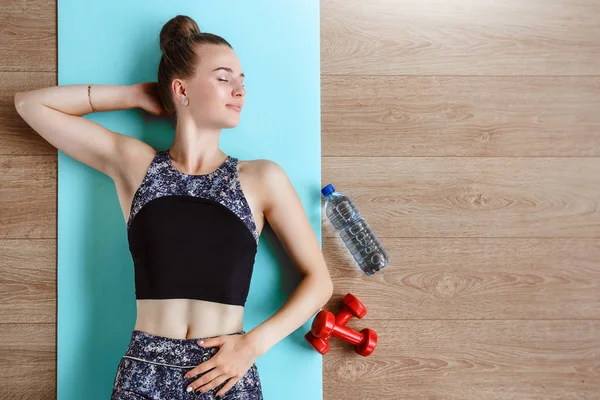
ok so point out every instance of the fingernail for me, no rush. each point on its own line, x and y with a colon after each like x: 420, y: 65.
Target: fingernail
x: 189, y: 389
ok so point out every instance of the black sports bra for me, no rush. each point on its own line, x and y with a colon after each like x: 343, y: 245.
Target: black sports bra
x: 192, y: 236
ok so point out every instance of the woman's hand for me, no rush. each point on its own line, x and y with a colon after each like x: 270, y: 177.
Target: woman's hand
x: 234, y: 358
x: 146, y: 98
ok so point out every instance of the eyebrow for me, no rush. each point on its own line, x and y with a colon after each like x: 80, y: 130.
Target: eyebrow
x: 228, y: 70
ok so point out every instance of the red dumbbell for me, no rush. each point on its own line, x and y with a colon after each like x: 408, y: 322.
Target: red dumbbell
x: 352, y: 307
x: 364, y: 341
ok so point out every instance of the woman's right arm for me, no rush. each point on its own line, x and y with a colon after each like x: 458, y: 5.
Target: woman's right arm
x: 55, y: 113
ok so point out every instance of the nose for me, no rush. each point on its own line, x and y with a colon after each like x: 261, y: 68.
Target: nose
x: 239, y: 91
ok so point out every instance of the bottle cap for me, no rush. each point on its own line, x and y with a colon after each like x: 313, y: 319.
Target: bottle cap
x: 327, y: 190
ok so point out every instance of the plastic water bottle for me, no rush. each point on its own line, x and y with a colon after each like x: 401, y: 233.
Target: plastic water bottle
x: 354, y: 231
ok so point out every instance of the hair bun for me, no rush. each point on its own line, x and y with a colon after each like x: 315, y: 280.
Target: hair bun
x: 177, y: 28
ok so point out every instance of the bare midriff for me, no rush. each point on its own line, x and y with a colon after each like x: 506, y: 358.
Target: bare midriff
x: 187, y: 318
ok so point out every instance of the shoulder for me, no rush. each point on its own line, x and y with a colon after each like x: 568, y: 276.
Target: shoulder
x: 270, y: 179
x: 263, y: 170
x: 132, y: 159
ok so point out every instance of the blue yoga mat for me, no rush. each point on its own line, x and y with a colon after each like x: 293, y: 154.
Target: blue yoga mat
x: 116, y: 42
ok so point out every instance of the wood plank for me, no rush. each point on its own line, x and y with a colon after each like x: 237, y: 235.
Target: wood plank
x: 469, y: 196
x: 551, y: 360
x: 28, y: 361
x: 473, y: 279
x: 16, y: 137
x: 437, y: 37
x: 28, y: 190
x: 28, y: 41
x: 28, y: 289
x: 460, y: 116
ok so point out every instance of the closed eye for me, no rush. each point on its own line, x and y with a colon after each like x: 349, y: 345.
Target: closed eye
x: 225, y: 80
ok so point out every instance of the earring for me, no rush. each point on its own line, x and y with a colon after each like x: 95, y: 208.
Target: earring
x: 184, y: 100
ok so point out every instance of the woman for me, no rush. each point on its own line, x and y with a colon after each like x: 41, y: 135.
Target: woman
x: 193, y: 215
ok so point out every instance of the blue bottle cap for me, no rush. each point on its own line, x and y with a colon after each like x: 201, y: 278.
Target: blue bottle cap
x: 327, y: 190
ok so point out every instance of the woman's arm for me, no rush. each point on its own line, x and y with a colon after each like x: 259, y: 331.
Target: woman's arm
x: 73, y: 99
x: 55, y: 113
x: 285, y: 213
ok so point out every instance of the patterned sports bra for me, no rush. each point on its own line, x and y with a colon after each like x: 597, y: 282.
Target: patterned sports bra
x: 192, y: 236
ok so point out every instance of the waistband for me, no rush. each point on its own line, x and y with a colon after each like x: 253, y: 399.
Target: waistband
x: 163, y: 350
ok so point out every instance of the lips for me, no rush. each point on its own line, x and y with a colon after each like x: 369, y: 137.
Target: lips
x: 236, y: 107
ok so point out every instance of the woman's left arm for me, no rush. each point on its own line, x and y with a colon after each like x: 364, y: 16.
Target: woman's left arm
x: 285, y: 213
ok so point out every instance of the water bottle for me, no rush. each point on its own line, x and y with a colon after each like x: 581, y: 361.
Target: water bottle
x: 354, y: 231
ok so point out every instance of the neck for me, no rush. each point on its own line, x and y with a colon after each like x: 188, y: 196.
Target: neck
x: 196, y: 148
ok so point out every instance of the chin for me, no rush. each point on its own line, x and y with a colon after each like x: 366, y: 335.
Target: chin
x: 231, y: 124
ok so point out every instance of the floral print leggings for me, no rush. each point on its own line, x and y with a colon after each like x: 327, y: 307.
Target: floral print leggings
x: 153, y: 368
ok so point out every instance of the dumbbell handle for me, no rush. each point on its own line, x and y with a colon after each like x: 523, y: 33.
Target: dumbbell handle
x: 347, y: 334
x: 325, y: 325
x: 343, y: 316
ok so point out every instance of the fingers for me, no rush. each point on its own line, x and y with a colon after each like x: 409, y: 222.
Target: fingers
x: 230, y: 383
x: 201, y: 368
x: 209, y: 381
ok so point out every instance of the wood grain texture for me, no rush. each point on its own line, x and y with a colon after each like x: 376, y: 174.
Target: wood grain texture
x: 28, y: 39
x: 16, y: 137
x: 28, y: 190
x: 27, y: 361
x: 492, y: 279
x: 28, y: 289
x: 460, y: 116
x: 437, y: 37
x: 471, y: 197
x: 466, y: 360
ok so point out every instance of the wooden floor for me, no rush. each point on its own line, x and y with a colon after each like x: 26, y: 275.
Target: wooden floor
x: 467, y: 132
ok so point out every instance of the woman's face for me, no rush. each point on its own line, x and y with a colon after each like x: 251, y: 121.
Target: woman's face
x: 216, y: 88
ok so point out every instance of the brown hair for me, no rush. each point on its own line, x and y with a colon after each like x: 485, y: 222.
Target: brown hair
x: 178, y: 40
